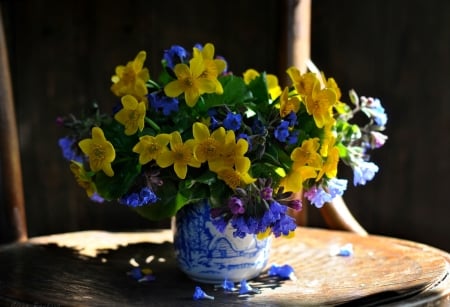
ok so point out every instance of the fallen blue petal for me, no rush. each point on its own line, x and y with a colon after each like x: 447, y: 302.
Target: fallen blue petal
x: 228, y: 285
x: 282, y: 271
x: 148, y: 277
x: 199, y: 294
x: 247, y: 289
x: 136, y: 273
x: 343, y: 251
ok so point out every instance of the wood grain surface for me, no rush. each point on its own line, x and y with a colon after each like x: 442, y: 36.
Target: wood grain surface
x: 90, y: 269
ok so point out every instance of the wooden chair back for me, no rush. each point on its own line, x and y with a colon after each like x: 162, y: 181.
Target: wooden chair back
x: 12, y: 215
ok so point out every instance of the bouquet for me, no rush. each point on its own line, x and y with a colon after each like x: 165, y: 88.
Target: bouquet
x: 242, y: 142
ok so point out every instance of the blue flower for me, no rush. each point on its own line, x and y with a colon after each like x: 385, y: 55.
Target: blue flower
x: 176, y: 54
x: 258, y: 127
x: 144, y: 197
x: 292, y: 119
x: 372, y: 108
x: 161, y: 103
x: 317, y: 196
x: 293, y: 137
x: 281, y: 132
x: 67, y: 147
x: 284, y: 225
x: 232, y: 121
x: 336, y: 187
x: 363, y: 171
x: 147, y: 196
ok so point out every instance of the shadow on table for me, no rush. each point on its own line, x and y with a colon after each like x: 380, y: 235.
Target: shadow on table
x: 47, y: 274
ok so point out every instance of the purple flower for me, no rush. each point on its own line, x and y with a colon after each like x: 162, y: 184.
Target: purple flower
x: 176, y: 54
x: 97, y: 198
x: 236, y: 206
x: 266, y: 193
x: 377, y: 139
x: 295, y: 204
x: 232, y: 121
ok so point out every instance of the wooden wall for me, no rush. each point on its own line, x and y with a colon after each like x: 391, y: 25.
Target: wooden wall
x: 399, y: 51
x: 64, y: 52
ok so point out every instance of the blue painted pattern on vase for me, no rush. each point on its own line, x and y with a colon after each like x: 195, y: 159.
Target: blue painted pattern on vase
x: 207, y: 255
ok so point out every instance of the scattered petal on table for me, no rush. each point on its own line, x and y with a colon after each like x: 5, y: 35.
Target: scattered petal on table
x: 228, y: 285
x: 282, y: 271
x: 344, y: 251
x: 199, y: 294
x: 247, y: 289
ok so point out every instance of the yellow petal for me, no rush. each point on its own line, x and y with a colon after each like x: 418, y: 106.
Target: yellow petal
x: 173, y: 89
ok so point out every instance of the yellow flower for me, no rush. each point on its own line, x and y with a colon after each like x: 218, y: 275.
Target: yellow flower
x: 249, y: 75
x: 273, y: 87
x: 320, y: 104
x: 303, y: 83
x: 288, y: 104
x: 328, y: 140
x: 131, y: 115
x: 238, y: 176
x: 213, y: 67
x: 180, y: 155
x: 100, y: 152
x: 231, y: 151
x: 307, y: 154
x: 294, y: 181
x: 330, y: 166
x: 151, y: 148
x: 208, y: 146
x: 190, y: 82
x: 131, y: 79
x: 82, y: 178
x: 264, y: 234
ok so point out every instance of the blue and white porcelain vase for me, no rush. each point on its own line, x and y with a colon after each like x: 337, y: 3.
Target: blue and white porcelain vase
x: 209, y: 256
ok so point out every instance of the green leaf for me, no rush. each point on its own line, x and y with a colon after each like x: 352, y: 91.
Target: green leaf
x: 235, y: 91
x: 125, y: 173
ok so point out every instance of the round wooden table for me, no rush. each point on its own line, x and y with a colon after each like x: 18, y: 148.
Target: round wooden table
x: 91, y: 269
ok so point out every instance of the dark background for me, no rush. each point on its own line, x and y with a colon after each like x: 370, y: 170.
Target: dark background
x: 63, y: 53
